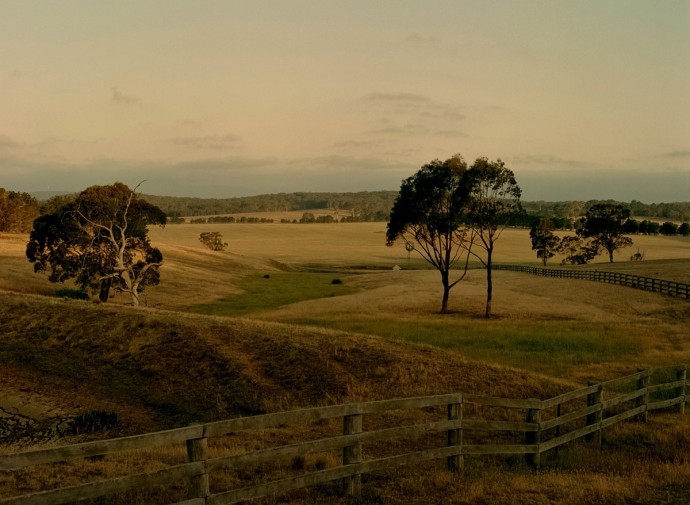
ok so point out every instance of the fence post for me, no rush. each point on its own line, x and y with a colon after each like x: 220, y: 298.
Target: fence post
x: 595, y: 398
x: 455, y: 463
x: 352, y: 454
x: 681, y: 375
x: 534, y: 437
x: 643, y: 384
x: 197, y: 450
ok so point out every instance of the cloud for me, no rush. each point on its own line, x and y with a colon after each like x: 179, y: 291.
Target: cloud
x: 678, y: 154
x: 221, y: 177
x: 492, y: 108
x: 17, y: 74
x: 445, y: 113
x: 215, y: 142
x: 407, y: 129
x: 450, y: 133
x: 51, y: 141
x: 345, y: 163
x: 643, y: 185
x: 213, y: 177
x: 122, y: 98
x: 407, y: 98
x: 546, y: 159
x: 354, y: 144
x: 412, y: 114
x: 7, y: 142
x: 416, y: 38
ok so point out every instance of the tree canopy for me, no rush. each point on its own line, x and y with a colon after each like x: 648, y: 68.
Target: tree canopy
x: 430, y: 214
x: 213, y: 240
x: 603, y: 223
x: 100, y: 239
x: 445, y: 209
x: 494, y: 199
x: 17, y: 211
x: 543, y: 240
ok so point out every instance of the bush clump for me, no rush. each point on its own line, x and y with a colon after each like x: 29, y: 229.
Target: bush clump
x: 72, y: 294
x: 92, y: 421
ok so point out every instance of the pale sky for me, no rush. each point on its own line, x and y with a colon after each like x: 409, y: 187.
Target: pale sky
x: 583, y: 99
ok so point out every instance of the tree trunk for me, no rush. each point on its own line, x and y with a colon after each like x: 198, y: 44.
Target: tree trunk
x: 489, y: 283
x: 610, y: 255
x: 105, y: 290
x: 446, y: 292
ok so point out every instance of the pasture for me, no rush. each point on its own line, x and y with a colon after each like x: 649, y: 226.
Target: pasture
x: 559, y: 327
x: 303, y: 339
x: 340, y: 276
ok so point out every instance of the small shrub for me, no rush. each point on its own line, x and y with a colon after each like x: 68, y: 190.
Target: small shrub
x: 213, y: 240
x: 266, y: 276
x: 72, y: 294
x: 336, y: 281
x: 91, y: 422
x: 298, y: 463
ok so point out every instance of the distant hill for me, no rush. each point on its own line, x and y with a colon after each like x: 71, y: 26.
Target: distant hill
x: 376, y: 206
x: 371, y: 205
x: 363, y: 206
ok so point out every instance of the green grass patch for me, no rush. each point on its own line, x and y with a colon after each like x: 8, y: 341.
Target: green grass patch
x: 265, y: 292
x: 545, y: 347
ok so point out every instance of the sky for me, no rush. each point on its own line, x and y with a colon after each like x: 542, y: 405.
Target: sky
x: 586, y: 99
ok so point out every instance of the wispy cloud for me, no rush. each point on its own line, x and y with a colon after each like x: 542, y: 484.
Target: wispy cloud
x: 417, y: 38
x: 547, y: 159
x: 411, y: 129
x: 444, y: 112
x: 7, y: 142
x: 345, y: 163
x: 450, y: 134
x: 412, y: 114
x: 17, y: 74
x: 397, y: 97
x: 678, y: 154
x: 124, y: 99
x: 52, y: 141
x: 347, y: 144
x: 215, y: 142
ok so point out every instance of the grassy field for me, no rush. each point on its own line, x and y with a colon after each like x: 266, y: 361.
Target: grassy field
x: 340, y: 276
x: 565, y: 328
x: 296, y: 315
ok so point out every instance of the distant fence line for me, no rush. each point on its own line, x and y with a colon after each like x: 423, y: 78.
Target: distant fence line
x: 455, y: 426
x: 665, y: 287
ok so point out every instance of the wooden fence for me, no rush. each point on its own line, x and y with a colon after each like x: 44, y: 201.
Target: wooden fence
x: 454, y: 426
x: 671, y: 288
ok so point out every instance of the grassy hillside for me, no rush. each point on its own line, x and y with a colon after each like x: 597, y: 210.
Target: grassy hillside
x: 304, y: 340
x: 160, y: 369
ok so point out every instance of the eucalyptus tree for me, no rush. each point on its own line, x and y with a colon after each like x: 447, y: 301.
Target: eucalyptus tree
x: 494, y: 200
x: 429, y: 213
x: 604, y: 224
x: 17, y: 211
x: 100, y: 239
x: 543, y: 240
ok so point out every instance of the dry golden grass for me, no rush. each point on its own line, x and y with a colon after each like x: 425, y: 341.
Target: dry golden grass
x: 162, y: 369
x: 159, y: 367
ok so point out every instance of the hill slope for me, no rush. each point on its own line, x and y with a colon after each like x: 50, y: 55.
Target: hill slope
x: 159, y: 369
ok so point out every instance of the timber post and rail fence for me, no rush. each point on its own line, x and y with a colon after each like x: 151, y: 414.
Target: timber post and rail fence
x: 454, y: 426
x: 665, y: 287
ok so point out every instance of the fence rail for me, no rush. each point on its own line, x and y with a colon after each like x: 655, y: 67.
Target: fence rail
x: 665, y: 287
x: 460, y: 425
